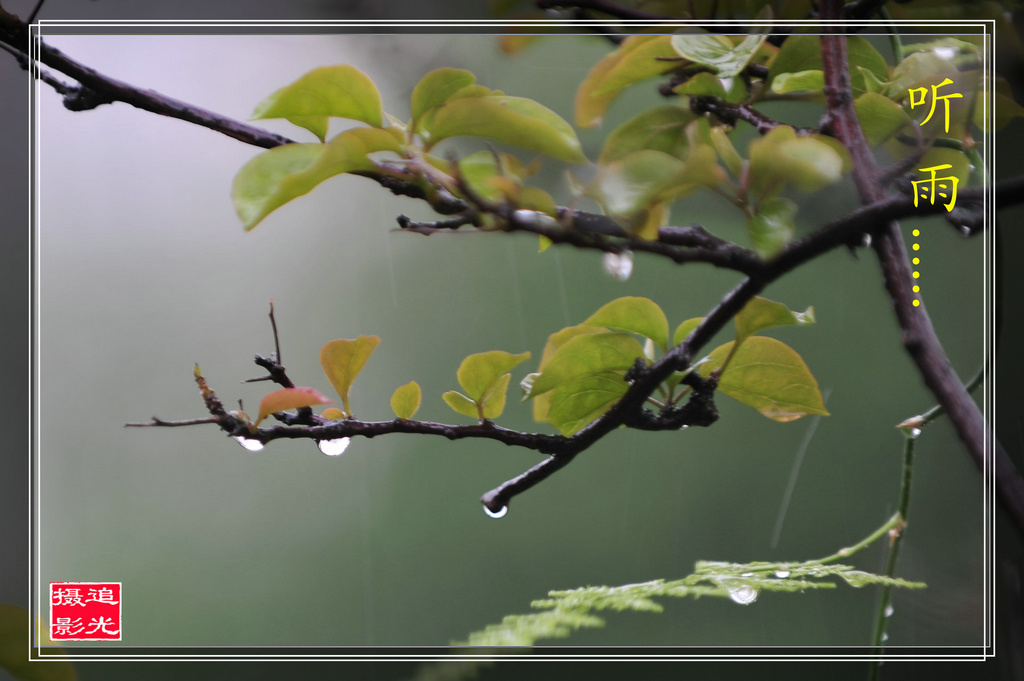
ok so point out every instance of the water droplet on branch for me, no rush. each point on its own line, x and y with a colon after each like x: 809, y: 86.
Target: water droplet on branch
x: 744, y: 595
x: 249, y: 443
x: 500, y: 513
x: 334, y: 447
x: 782, y: 574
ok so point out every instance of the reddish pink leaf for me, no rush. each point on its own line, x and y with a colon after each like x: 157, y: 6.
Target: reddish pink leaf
x: 289, y: 398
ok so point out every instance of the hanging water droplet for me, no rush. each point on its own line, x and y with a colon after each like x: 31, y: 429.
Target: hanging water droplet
x: 965, y: 230
x: 865, y: 241
x: 915, y: 432
x: 889, y: 611
x: 744, y: 595
x: 619, y: 265
x: 885, y: 637
x: 334, y: 447
x: 500, y: 513
x: 249, y: 443
x: 782, y: 574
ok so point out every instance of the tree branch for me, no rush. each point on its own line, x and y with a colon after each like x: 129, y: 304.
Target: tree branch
x: 609, y: 8
x: 919, y: 336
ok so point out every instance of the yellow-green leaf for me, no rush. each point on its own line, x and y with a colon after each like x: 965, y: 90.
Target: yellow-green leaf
x: 662, y: 128
x: 703, y: 84
x: 541, y: 403
x: 880, y: 117
x: 634, y: 60
x: 289, y: 398
x: 579, y: 403
x: 585, y: 355
x: 641, y: 316
x: 333, y: 413
x: 513, y: 120
x: 803, y: 53
x: 436, y: 88
x: 761, y: 313
x: 684, y: 329
x: 781, y: 157
x: 343, y: 359
x: 461, y: 404
x: 405, y: 401
x: 769, y: 376
x: 813, y: 80
x: 478, y: 374
x: 278, y: 175
x: 772, y: 226
x: 726, y: 151
x: 494, y: 400
x: 718, y: 52
x: 340, y: 91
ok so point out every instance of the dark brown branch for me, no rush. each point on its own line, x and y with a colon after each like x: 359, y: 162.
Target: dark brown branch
x: 919, y: 336
x: 731, y: 113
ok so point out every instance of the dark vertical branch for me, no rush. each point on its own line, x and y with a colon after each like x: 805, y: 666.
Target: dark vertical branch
x: 919, y: 336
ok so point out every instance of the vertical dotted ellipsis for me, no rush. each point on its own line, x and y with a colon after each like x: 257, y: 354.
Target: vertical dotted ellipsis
x: 917, y: 261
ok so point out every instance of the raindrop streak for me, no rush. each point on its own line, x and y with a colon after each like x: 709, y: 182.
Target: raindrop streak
x: 335, y: 447
x: 744, y: 595
x: 249, y: 443
x: 889, y: 611
x: 500, y: 513
x: 782, y: 574
x: 619, y: 265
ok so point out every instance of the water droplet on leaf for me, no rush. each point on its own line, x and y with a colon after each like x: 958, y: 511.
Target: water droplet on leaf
x: 500, y: 513
x: 619, y: 265
x: 249, y: 443
x: 334, y: 447
x: 782, y: 574
x: 946, y: 53
x: 744, y: 595
x: 747, y: 574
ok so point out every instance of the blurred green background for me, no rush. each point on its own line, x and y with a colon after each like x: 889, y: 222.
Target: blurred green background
x: 144, y: 270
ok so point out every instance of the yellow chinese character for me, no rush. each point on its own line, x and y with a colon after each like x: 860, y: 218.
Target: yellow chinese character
x: 936, y: 185
x: 935, y: 96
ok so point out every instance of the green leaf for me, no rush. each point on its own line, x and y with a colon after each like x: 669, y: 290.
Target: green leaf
x: 769, y: 376
x: 494, y: 400
x: 492, y: 174
x: 541, y: 403
x: 278, y: 175
x: 1005, y: 111
x: 436, y: 88
x: 513, y: 120
x: 342, y: 360
x: 662, y: 128
x: 803, y: 53
x: 634, y: 60
x: 684, y: 329
x: 289, y: 398
x: 479, y: 374
x: 703, y: 84
x: 585, y: 355
x: 718, y: 52
x: 579, y: 403
x: 641, y: 316
x: 880, y: 117
x: 772, y: 226
x: 339, y: 91
x: 914, y: 70
x: 801, y: 81
x: 760, y: 314
x: 726, y: 151
x: 405, y: 401
x: 14, y: 647
x: 461, y: 404
x: 780, y: 157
